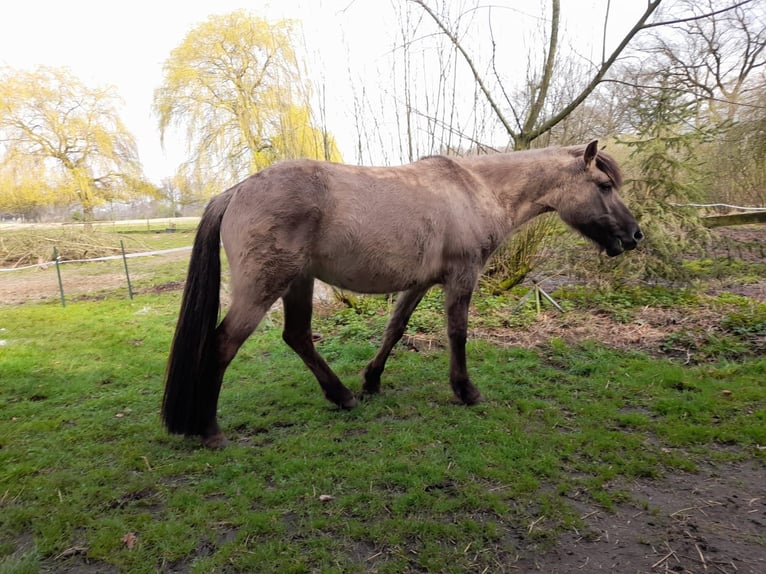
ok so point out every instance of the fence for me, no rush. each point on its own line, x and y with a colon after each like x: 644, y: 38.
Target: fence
x: 734, y: 214
x: 90, y: 278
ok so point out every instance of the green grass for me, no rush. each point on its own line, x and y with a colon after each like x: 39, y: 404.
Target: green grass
x: 88, y: 476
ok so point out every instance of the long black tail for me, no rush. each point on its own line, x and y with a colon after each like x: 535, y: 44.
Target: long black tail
x: 191, y: 393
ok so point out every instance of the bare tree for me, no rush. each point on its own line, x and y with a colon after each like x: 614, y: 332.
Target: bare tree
x: 710, y: 59
x: 714, y: 54
x: 528, y: 122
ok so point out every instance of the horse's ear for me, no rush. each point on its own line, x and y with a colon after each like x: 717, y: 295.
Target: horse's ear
x: 590, y: 153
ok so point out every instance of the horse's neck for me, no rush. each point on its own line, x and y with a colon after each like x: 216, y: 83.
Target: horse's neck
x: 518, y: 181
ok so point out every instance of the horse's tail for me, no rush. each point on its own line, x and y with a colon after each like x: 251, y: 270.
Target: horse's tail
x: 191, y: 392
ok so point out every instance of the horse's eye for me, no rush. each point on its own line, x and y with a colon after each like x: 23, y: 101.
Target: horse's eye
x: 606, y: 187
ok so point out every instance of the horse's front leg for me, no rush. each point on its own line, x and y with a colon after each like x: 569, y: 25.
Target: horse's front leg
x: 457, y: 302
x: 405, y: 305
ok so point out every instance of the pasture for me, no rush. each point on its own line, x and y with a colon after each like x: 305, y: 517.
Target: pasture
x: 627, y: 433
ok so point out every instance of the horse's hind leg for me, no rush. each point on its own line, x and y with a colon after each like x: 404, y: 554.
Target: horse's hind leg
x: 239, y: 323
x: 405, y: 305
x: 297, y: 334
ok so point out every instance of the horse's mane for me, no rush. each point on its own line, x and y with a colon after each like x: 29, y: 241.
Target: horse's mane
x: 606, y: 163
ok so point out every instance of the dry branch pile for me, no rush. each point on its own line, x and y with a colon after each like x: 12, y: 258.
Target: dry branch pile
x: 36, y: 246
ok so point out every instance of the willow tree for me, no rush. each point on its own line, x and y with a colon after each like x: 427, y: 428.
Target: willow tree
x: 71, y: 133
x: 234, y: 86
x: 25, y: 191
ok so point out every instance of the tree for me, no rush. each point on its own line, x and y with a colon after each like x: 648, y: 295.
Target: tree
x: 714, y: 52
x: 235, y: 84
x: 532, y: 117
x: 297, y: 137
x: 24, y: 189
x: 719, y: 57
x: 738, y: 159
x: 667, y: 171
x: 71, y: 133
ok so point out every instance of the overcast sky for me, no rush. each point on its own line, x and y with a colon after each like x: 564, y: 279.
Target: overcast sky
x: 125, y: 43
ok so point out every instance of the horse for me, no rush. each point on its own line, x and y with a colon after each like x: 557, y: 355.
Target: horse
x: 398, y: 229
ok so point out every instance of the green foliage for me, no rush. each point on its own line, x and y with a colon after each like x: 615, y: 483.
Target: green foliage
x: 749, y: 320
x: 510, y: 264
x: 623, y: 301
x: 663, y: 157
x: 703, y: 345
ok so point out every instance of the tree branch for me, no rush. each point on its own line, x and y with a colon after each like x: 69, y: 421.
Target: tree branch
x: 545, y: 82
x: 652, y: 5
x: 692, y: 18
x: 469, y: 61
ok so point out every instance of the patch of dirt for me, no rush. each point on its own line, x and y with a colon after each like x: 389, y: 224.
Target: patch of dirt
x: 90, y: 281
x: 755, y: 290
x: 710, y: 521
x: 647, y: 331
x: 745, y: 242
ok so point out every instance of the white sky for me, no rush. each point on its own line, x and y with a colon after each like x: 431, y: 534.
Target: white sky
x: 125, y: 43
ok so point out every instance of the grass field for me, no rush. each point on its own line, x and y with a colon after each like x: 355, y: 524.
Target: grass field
x: 89, y: 481
x: 627, y: 432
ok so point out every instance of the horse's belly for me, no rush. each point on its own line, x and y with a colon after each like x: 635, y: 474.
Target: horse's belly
x: 373, y: 275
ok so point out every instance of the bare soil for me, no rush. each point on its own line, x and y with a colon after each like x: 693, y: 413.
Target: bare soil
x: 710, y: 521
x: 86, y: 280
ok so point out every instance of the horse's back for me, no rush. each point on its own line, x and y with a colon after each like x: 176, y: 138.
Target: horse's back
x: 368, y: 229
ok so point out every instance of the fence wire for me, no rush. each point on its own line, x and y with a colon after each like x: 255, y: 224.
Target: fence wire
x: 149, y: 271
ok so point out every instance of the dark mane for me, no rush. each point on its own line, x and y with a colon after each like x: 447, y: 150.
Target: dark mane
x: 606, y: 163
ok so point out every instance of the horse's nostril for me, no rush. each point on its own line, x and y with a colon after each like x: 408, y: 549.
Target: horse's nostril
x: 638, y: 235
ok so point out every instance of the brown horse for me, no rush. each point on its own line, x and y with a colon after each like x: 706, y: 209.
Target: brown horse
x: 369, y: 230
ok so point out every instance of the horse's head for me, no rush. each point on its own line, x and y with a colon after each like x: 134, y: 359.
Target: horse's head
x: 589, y: 202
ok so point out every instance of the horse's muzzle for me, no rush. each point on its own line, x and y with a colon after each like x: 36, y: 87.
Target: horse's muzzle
x: 628, y: 244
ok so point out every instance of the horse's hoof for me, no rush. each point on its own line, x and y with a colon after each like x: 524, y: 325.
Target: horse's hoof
x: 474, y: 399
x: 371, y: 388
x: 216, y: 442
x: 469, y: 396
x: 370, y: 381
x: 349, y: 403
